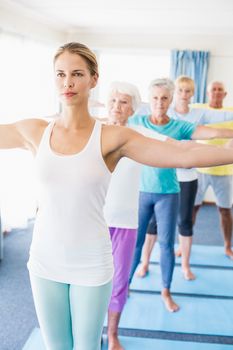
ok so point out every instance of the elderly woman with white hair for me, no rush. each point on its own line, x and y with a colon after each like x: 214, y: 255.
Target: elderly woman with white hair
x: 159, y: 187
x: 121, y: 204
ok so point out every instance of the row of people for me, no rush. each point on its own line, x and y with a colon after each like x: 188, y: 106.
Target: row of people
x: 122, y: 198
x: 194, y: 184
x: 70, y: 264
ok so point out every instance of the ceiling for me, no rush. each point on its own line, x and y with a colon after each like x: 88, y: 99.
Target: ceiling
x: 209, y: 17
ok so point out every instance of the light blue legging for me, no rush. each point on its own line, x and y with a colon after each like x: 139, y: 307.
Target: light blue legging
x: 70, y: 316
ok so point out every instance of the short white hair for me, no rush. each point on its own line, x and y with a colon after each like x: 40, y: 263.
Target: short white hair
x: 163, y: 82
x: 128, y: 89
x: 209, y: 86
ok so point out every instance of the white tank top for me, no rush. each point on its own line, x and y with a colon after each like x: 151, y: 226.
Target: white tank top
x: 71, y: 242
x: 121, y: 205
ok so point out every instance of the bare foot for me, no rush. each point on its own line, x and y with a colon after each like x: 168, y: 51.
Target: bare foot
x: 188, y: 275
x: 114, y: 344
x: 178, y: 253
x: 142, y: 271
x: 229, y: 253
x: 169, y: 303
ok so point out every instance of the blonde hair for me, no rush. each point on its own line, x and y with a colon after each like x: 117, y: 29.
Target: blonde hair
x: 185, y: 79
x: 83, y: 51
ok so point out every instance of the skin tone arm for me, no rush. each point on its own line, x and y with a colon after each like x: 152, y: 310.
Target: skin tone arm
x: 168, y: 155
x: 24, y: 134
x: 118, y: 142
x: 206, y: 132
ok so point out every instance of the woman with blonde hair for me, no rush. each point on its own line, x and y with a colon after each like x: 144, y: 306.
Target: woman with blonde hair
x: 70, y: 263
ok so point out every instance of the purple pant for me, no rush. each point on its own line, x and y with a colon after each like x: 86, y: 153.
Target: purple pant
x: 123, y: 244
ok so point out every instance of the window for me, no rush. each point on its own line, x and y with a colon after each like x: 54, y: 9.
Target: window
x: 26, y: 91
x: 26, y: 87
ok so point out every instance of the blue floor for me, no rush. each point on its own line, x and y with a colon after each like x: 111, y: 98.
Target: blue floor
x: 206, y: 308
x: 35, y: 341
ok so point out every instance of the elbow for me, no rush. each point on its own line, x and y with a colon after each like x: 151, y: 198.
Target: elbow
x: 185, y: 161
x: 211, y: 137
x: 186, y: 165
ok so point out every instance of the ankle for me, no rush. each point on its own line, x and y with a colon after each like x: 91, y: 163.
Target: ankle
x: 228, y: 251
x: 112, y: 335
x: 145, y: 265
x: 166, y: 292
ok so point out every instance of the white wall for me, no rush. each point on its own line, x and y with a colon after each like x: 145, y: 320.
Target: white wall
x: 220, y: 47
x: 13, y: 20
x: 221, y: 61
x: 221, y: 68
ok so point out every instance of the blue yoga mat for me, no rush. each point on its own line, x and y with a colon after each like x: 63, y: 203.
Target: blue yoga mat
x: 196, y: 315
x: 35, y: 342
x: 208, y: 281
x: 202, y: 255
x: 133, y: 343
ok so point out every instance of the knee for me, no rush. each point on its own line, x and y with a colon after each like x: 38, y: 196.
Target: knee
x: 186, y: 230
x: 196, y: 208
x: 186, y: 233
x: 90, y: 344
x: 118, y: 300
x: 166, y: 245
x: 140, y: 240
x: 120, y: 287
x: 61, y: 346
x: 225, y: 212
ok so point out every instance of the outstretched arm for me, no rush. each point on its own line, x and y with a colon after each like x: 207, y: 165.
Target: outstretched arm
x: 169, y: 155
x: 206, y: 132
x: 22, y: 134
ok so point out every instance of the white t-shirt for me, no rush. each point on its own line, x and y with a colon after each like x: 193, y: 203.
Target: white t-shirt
x: 198, y: 116
x: 121, y: 204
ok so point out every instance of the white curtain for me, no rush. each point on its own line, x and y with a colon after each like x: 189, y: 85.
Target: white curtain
x: 27, y: 91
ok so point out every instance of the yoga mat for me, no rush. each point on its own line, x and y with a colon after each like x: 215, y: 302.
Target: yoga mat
x: 201, y: 255
x: 211, y: 282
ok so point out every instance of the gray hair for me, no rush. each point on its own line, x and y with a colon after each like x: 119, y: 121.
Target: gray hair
x: 128, y: 89
x: 163, y: 82
x: 215, y: 82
